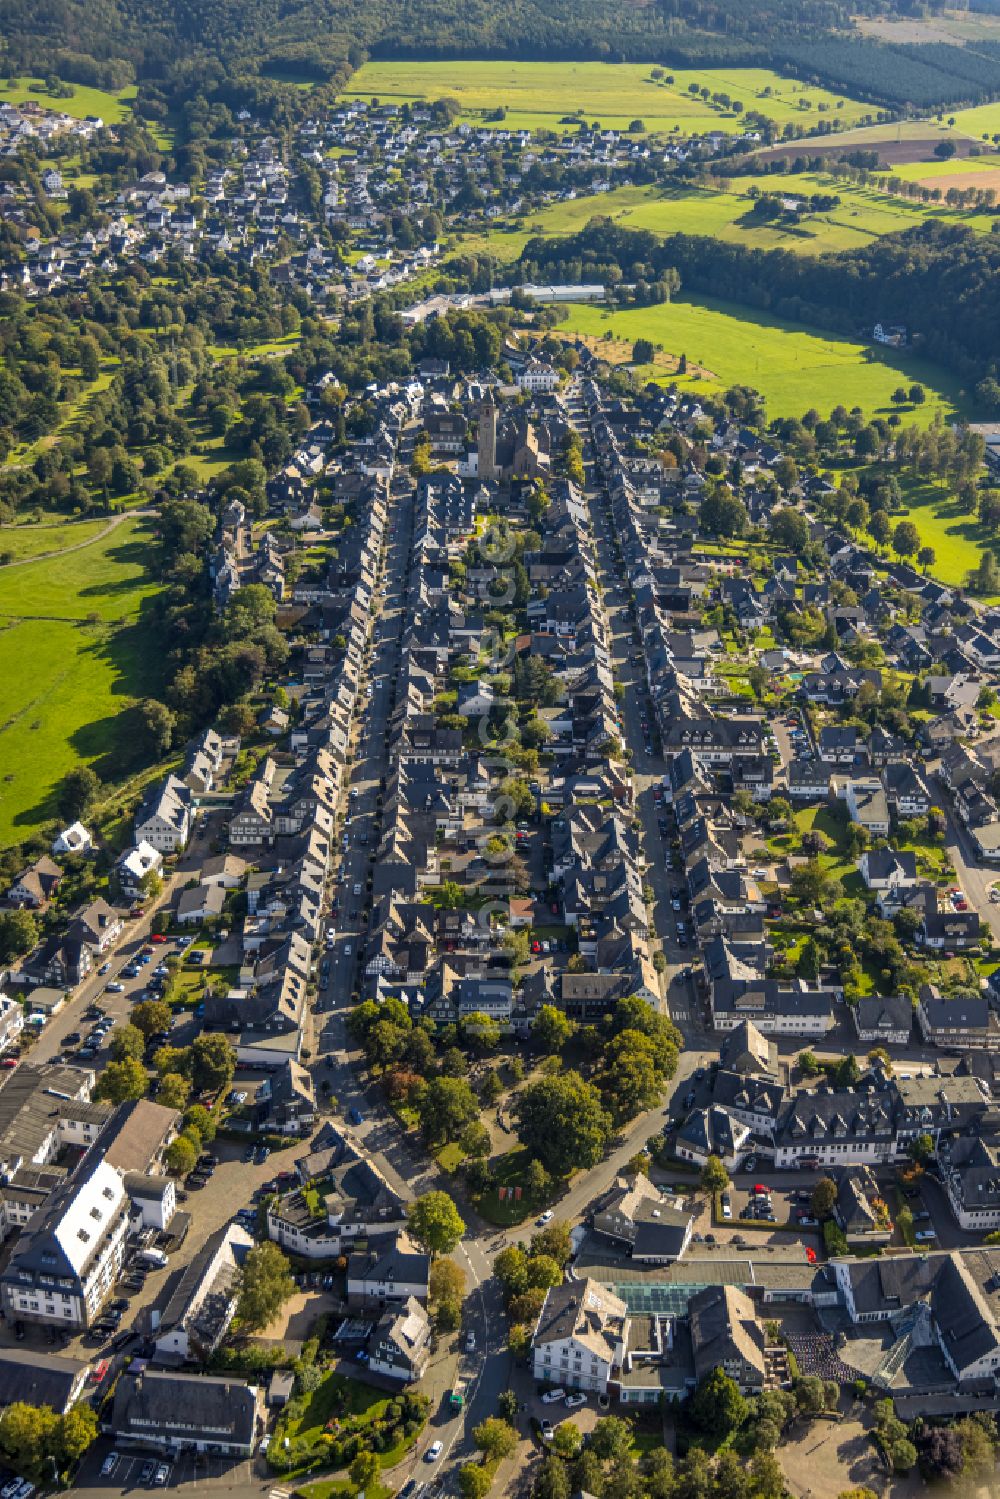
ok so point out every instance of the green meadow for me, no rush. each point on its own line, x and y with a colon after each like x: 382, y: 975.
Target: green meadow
x: 863, y: 214
x: 111, y: 108
x: 542, y: 95
x: 793, y: 367
x: 958, y: 540
x: 21, y: 543
x: 76, y: 649
x: 983, y: 120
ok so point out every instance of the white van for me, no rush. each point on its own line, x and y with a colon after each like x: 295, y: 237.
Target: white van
x: 154, y: 1257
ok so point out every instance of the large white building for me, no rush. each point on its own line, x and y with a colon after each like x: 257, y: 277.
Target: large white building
x: 164, y: 819
x: 69, y: 1256
x: 581, y: 1337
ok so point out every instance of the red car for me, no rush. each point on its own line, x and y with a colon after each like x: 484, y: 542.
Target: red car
x: 8, y: 1062
x: 536, y: 946
x: 157, y: 937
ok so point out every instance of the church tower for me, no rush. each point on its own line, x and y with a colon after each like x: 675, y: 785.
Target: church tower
x: 487, y: 441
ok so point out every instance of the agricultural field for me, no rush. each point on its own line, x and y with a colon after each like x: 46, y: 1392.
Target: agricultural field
x: 956, y: 166
x: 547, y: 95
x: 113, y: 109
x: 76, y: 648
x: 981, y: 121
x: 862, y: 215
x: 792, y: 367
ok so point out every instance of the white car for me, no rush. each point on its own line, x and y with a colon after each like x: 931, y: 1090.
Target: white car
x: 348, y: 949
x: 551, y: 1396
x: 470, y: 1342
x: 265, y: 1442
x: 109, y: 1465
x: 548, y: 1431
x: 433, y: 1452
x: 546, y: 1217
x: 115, y: 987
x: 572, y: 1401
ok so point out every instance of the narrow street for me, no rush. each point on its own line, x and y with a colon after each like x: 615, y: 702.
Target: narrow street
x: 647, y: 769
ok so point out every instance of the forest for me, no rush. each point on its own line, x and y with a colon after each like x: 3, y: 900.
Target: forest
x: 940, y: 281
x: 923, y: 75
x: 188, y: 44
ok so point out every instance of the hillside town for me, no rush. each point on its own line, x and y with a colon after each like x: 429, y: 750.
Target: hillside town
x: 352, y: 206
x: 546, y: 1014
x: 545, y: 773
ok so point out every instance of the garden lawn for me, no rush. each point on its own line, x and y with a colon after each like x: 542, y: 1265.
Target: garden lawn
x: 547, y: 95
x: 360, y: 1401
x: 113, y: 109
x: 324, y: 1402
x: 794, y: 368
x: 837, y: 862
x: 76, y: 648
x: 509, y: 1170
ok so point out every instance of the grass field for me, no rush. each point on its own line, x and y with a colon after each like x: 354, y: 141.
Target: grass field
x: 75, y: 650
x: 537, y: 95
x: 983, y: 120
x: 792, y: 367
x: 112, y: 108
x: 964, y: 166
x: 862, y: 215
x: 22, y: 542
x: 959, y: 540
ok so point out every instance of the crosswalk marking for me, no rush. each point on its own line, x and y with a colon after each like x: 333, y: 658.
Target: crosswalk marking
x: 278, y: 1494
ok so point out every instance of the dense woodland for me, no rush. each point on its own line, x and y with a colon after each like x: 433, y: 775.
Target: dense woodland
x: 194, y: 47
x: 942, y: 282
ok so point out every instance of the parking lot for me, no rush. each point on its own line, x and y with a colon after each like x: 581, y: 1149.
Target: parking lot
x: 223, y: 1474
x: 757, y: 1202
